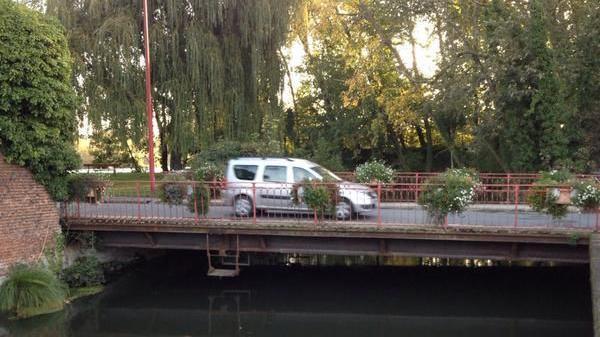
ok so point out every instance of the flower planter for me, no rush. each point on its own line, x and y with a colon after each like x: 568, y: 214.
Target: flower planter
x: 562, y: 195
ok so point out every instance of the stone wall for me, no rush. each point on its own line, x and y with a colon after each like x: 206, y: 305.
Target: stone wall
x: 28, y: 216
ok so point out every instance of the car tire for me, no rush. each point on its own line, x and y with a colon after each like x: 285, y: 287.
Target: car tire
x: 242, y: 207
x: 343, y: 210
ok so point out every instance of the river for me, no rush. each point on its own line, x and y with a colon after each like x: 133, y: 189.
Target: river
x: 171, y: 296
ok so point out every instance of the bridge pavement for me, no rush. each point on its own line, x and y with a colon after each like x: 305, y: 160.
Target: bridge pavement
x: 390, y: 214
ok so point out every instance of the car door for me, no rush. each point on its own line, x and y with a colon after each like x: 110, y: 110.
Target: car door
x: 299, y: 175
x: 274, y: 191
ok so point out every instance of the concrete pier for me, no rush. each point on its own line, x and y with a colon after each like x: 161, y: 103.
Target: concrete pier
x: 595, y: 280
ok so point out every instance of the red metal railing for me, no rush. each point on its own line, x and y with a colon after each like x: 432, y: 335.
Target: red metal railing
x: 496, y: 205
x: 485, y: 178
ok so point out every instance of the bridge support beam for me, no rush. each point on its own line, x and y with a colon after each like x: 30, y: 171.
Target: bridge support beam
x: 595, y: 279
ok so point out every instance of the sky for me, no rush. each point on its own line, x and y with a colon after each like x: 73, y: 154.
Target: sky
x: 427, y: 53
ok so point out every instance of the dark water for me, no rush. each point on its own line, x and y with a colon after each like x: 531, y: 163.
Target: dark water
x: 172, y: 297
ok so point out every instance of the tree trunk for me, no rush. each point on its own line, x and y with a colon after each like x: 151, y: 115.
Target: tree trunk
x: 429, y: 151
x: 176, y: 162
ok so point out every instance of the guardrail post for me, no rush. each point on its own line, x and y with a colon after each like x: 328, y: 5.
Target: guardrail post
x: 417, y: 184
x: 597, y: 219
x: 508, y: 191
x: 196, y: 202
x: 254, y: 203
x: 379, y: 203
x: 516, y: 188
x: 139, y: 200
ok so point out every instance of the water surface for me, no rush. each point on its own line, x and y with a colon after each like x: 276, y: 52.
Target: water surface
x: 172, y: 297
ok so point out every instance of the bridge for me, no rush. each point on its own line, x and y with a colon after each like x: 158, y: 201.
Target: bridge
x: 499, y: 226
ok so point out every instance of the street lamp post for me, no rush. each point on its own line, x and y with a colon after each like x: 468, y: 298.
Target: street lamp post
x: 149, y: 109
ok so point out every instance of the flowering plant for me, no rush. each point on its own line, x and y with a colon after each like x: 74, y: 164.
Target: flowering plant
x: 542, y: 196
x: 374, y: 172
x: 322, y: 197
x: 449, y: 192
x: 586, y: 195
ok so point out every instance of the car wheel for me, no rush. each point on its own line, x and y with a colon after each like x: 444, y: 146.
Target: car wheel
x: 343, y: 210
x: 242, y: 206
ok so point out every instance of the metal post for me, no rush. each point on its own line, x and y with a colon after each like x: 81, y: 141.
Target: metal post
x: 597, y: 219
x: 379, y: 203
x: 139, y: 201
x: 508, y: 191
x: 516, y: 224
x: 195, y: 203
x: 149, y: 110
x: 417, y: 187
x: 254, y: 203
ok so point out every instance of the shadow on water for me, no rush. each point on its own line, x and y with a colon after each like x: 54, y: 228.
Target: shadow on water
x: 172, y: 296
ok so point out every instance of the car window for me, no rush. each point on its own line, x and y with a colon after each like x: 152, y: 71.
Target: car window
x: 245, y: 172
x: 325, y: 173
x: 275, y: 173
x: 301, y: 174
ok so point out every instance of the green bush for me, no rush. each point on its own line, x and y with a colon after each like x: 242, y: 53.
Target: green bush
x: 87, y: 271
x: 541, y: 198
x: 79, y: 186
x: 209, y: 172
x: 374, y: 172
x: 321, y: 197
x: 38, y: 124
x: 449, y: 192
x: 200, y: 199
x: 30, y: 290
x: 586, y: 195
x: 220, y: 152
x: 173, y: 189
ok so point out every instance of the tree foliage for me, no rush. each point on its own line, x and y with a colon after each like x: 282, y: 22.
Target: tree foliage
x: 515, y: 87
x: 37, y: 102
x: 215, y: 66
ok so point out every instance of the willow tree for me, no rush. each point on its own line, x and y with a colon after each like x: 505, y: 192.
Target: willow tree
x: 215, y: 65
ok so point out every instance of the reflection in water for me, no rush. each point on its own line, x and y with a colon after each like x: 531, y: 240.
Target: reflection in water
x: 172, y: 297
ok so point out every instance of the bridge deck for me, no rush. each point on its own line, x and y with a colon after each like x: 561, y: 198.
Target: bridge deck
x: 344, y: 238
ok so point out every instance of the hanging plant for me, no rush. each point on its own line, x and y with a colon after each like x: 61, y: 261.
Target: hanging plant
x: 321, y: 197
x: 449, y: 192
x: 545, y: 194
x: 173, y: 189
x: 586, y: 195
x: 374, y: 172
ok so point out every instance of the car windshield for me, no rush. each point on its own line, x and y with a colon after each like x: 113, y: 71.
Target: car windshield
x: 325, y: 173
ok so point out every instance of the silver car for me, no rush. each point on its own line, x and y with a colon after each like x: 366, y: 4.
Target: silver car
x: 266, y: 184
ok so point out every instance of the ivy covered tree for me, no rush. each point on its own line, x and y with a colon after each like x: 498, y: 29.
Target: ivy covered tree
x: 37, y: 102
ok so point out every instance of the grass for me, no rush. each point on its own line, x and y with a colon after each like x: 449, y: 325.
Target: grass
x: 30, y: 291
x: 132, y: 176
x: 76, y: 293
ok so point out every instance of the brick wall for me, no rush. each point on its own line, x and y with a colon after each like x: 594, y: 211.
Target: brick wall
x: 28, y: 216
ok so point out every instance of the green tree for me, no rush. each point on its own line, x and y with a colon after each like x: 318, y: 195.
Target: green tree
x: 216, y: 68
x: 37, y: 102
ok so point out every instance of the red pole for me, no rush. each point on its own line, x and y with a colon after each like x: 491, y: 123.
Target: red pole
x: 379, y: 203
x: 253, y: 202
x: 139, y: 200
x: 196, y: 204
x: 516, y: 206
x: 149, y: 98
x: 597, y: 220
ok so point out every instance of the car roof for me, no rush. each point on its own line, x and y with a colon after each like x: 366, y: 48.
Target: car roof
x: 269, y: 161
